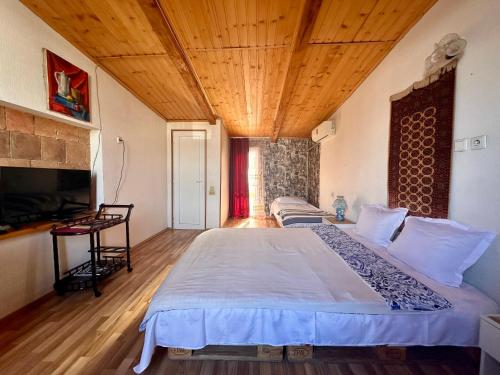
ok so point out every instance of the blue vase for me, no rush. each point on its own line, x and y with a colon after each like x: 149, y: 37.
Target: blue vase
x: 340, y: 206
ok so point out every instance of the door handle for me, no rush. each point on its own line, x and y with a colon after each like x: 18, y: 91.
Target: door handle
x: 199, y: 182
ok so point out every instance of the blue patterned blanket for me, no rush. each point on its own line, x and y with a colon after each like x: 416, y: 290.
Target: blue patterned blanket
x: 401, y: 291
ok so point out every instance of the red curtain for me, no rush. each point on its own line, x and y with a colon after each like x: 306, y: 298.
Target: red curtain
x: 238, y: 182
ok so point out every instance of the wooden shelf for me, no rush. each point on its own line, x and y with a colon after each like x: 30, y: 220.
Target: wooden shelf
x: 36, y: 227
x: 28, y: 229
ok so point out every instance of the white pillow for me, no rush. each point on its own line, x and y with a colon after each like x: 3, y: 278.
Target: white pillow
x: 288, y: 200
x: 440, y: 249
x: 378, y: 223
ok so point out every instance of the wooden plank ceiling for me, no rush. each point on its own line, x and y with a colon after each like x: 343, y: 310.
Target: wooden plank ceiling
x: 274, y: 68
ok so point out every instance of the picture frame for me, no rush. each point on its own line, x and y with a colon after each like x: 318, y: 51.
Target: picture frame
x: 67, y: 86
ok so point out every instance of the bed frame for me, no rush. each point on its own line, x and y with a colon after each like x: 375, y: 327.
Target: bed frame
x: 267, y: 353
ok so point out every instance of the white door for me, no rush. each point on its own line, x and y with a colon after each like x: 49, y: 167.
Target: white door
x: 188, y: 179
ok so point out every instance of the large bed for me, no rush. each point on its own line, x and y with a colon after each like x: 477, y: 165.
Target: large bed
x: 289, y: 287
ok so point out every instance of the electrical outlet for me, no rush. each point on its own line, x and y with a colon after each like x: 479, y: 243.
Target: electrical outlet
x: 478, y: 143
x: 460, y: 145
x: 119, y: 139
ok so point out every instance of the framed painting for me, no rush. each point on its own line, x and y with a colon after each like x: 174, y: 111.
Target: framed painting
x: 68, y: 88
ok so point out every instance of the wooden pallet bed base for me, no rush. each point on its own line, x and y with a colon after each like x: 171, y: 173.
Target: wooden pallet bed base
x: 391, y: 353
x: 294, y: 353
x: 300, y: 353
x: 265, y: 353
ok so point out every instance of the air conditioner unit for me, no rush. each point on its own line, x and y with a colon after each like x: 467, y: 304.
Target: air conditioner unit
x: 323, y: 131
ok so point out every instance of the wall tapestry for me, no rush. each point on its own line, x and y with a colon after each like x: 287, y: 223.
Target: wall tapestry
x: 420, y: 145
x: 68, y: 87
x: 286, y: 168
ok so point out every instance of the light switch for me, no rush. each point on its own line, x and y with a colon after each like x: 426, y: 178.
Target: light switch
x: 211, y: 190
x: 460, y: 145
x: 478, y: 143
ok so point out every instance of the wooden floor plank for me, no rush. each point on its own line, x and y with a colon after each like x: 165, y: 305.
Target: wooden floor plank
x: 80, y: 334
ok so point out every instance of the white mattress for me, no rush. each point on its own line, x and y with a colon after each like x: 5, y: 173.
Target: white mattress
x: 195, y: 328
x: 277, y: 207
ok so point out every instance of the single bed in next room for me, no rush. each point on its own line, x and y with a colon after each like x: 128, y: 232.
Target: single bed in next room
x: 295, y: 210
x: 321, y: 286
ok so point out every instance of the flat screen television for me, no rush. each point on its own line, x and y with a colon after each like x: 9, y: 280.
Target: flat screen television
x: 36, y: 194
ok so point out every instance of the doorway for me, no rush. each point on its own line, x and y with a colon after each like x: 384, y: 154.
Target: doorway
x: 188, y: 179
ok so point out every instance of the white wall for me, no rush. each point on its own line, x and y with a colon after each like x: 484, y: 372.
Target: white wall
x: 213, y: 168
x: 145, y: 174
x: 224, y: 176
x: 354, y: 162
x: 26, y: 262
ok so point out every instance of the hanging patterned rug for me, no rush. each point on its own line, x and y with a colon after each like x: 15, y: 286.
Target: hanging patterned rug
x: 420, y: 145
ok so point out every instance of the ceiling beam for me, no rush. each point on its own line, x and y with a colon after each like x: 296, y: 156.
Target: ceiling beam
x: 163, y: 29
x: 306, y: 26
x: 354, y: 43
x: 135, y: 56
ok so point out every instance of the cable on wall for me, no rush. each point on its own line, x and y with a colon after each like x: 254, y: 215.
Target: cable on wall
x: 117, y: 191
x: 100, y: 121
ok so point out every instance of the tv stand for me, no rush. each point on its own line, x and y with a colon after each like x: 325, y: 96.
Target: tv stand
x: 104, y: 260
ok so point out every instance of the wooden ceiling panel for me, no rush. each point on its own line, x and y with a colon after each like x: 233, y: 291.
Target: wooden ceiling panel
x: 215, y: 24
x: 151, y: 78
x: 243, y: 86
x: 340, y: 20
x: 119, y: 37
x: 267, y: 68
x: 240, y: 51
x: 99, y: 27
x: 323, y: 85
x: 390, y: 20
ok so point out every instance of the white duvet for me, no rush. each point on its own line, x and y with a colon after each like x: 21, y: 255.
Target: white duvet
x: 264, y: 269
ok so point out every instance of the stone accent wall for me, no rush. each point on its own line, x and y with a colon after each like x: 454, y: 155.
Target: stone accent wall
x: 313, y: 173
x: 287, y: 169
x: 27, y: 140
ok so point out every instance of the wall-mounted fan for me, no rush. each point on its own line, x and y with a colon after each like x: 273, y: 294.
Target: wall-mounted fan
x: 450, y: 47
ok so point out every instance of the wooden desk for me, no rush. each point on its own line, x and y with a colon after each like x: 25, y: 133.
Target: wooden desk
x: 333, y: 220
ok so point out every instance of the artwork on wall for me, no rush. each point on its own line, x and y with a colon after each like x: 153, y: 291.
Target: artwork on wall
x: 421, y: 138
x: 68, y: 88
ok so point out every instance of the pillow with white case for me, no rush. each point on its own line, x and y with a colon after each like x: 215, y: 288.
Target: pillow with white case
x: 378, y: 223
x: 290, y: 200
x: 440, y: 249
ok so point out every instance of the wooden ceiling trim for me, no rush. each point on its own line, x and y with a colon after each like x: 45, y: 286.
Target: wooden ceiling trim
x: 111, y: 57
x: 163, y: 29
x: 373, y: 42
x: 306, y: 25
x: 249, y: 48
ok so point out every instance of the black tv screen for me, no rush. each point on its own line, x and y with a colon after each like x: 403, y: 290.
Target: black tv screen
x: 35, y: 194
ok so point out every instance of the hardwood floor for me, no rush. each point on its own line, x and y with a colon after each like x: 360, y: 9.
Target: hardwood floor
x: 252, y: 222
x: 80, y: 334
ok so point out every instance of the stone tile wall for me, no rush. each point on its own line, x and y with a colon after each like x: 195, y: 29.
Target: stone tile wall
x: 287, y: 168
x: 32, y: 141
x: 313, y: 173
